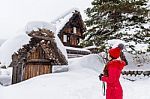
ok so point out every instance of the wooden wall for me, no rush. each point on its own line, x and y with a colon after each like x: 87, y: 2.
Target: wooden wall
x: 32, y: 70
x: 36, y: 64
x: 73, y: 37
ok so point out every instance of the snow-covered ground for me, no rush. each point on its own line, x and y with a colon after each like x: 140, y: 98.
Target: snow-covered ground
x: 80, y: 82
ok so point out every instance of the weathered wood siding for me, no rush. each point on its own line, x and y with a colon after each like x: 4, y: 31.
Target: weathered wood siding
x: 32, y: 70
x: 36, y: 64
x: 74, y: 22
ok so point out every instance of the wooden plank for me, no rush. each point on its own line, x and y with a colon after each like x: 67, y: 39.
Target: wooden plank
x: 50, y: 69
x: 14, y: 75
x: 44, y: 69
x: 37, y: 70
x: 41, y: 70
x: 38, y: 60
x: 25, y: 73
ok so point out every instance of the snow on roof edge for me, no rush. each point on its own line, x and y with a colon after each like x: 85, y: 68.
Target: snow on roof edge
x: 10, y: 46
x: 65, y: 14
x: 79, y: 49
x: 35, y: 25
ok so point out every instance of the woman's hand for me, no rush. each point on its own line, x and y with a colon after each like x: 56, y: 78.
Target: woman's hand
x: 100, y: 76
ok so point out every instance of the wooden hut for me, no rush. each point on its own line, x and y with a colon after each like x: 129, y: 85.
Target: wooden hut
x: 72, y: 32
x: 37, y: 57
x: 70, y: 28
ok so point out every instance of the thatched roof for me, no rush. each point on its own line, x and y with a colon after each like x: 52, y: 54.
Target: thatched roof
x: 67, y: 18
x: 23, y: 44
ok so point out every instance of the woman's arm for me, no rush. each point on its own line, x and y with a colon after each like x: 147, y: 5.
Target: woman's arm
x: 112, y: 71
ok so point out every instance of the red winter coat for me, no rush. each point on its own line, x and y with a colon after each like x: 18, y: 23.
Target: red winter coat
x: 114, y: 89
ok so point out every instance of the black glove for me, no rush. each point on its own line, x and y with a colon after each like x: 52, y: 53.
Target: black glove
x: 100, y: 76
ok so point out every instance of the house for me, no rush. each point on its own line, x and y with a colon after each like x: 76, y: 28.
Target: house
x: 36, y: 53
x: 70, y: 28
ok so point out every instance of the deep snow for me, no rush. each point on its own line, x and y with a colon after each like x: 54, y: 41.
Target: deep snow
x: 80, y: 82
x: 11, y: 46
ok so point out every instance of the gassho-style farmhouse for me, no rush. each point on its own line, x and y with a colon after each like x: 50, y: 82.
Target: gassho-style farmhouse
x: 42, y: 46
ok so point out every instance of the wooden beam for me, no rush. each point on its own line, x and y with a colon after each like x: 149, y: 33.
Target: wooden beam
x: 38, y: 60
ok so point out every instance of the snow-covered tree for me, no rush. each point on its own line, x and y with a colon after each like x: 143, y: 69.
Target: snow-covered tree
x: 117, y: 19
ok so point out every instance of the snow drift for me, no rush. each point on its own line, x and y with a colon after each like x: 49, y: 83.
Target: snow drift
x: 80, y: 82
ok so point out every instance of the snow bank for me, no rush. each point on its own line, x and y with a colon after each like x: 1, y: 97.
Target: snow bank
x: 66, y: 85
x: 6, y: 76
x: 136, y: 90
x: 92, y: 61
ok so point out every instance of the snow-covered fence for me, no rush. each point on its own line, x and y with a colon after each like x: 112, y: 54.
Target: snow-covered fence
x: 136, y: 73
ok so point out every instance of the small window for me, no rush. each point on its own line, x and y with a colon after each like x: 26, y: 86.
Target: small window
x: 74, y: 30
x: 64, y: 38
x: 78, y: 40
x: 68, y: 38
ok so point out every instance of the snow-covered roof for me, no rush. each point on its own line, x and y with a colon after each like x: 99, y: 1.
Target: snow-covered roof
x: 78, y: 49
x: 12, y: 45
x: 60, y: 21
x: 39, y: 24
x: 90, y: 47
x: 15, y: 43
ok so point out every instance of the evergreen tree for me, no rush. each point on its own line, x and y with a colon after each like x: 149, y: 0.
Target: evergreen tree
x: 117, y: 19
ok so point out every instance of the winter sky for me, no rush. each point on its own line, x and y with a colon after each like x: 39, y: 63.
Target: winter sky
x: 15, y: 14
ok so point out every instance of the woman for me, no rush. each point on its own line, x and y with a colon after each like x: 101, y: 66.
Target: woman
x: 112, y: 73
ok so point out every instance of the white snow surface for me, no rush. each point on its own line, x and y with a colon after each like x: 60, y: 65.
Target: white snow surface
x: 1, y: 41
x: 139, y: 62
x: 90, y: 47
x: 6, y: 76
x: 10, y: 46
x: 80, y: 82
x: 39, y: 24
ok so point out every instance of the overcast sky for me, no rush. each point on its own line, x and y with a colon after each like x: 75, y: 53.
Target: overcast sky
x: 15, y: 14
